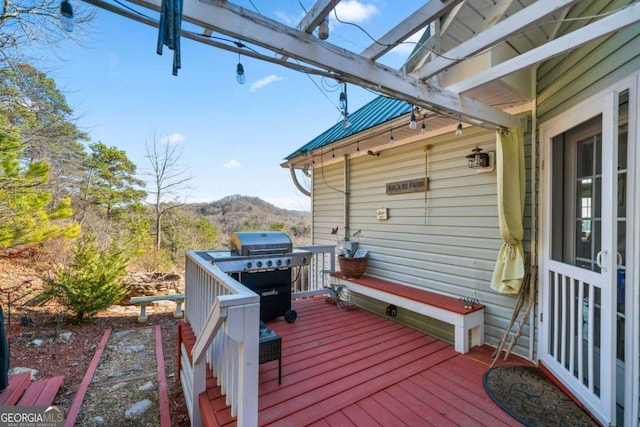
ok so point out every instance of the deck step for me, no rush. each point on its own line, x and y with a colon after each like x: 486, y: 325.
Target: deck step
x: 22, y: 392
x: 213, y: 408
x: 41, y: 392
x: 17, y: 385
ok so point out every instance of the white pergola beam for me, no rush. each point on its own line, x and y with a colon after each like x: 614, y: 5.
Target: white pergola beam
x: 419, y: 19
x: 316, y: 15
x: 607, y: 25
x: 205, y: 39
x: 512, y: 25
x: 239, y: 23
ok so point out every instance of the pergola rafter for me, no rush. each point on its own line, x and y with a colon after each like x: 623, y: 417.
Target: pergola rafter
x: 236, y: 22
x: 298, y: 48
x: 514, y: 24
x: 419, y: 19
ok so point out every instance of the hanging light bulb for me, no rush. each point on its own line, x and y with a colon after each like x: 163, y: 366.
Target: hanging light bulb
x: 423, y: 128
x: 391, y: 138
x: 412, y: 120
x: 66, y: 16
x: 240, y: 77
x: 323, y: 29
x: 343, y: 98
x: 344, y: 107
x: 358, y: 146
x: 459, y: 129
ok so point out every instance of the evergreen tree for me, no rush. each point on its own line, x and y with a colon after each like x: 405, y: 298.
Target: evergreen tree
x: 26, y: 216
x: 110, y: 181
x: 31, y: 101
x: 92, y: 282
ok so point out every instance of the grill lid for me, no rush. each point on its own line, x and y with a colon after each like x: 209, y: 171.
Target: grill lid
x: 261, y: 242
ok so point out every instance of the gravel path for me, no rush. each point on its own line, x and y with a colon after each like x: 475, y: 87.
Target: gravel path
x: 125, y: 388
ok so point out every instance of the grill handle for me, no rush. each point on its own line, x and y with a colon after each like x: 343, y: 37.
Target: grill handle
x: 268, y: 251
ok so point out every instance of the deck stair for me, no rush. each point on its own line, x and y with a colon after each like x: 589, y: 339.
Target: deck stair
x: 21, y: 391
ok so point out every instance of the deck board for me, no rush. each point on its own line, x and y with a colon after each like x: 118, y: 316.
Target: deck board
x: 355, y: 368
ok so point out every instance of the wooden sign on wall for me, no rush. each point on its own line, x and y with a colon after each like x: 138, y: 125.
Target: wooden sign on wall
x: 409, y: 186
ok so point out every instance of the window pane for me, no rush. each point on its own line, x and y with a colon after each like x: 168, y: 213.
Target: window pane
x: 585, y: 158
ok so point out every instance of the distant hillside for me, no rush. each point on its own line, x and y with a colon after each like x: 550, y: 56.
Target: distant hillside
x: 243, y: 213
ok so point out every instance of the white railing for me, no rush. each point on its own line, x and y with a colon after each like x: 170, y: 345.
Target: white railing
x: 224, y: 316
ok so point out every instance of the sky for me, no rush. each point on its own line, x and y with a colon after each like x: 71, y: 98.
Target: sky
x: 232, y: 138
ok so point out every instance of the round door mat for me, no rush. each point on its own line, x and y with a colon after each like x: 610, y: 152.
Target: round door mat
x: 529, y: 396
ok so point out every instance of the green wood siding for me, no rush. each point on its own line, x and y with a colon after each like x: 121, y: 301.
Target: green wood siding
x: 565, y: 81
x: 446, y: 243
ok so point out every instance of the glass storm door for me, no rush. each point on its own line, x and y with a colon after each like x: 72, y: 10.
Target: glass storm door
x: 584, y: 231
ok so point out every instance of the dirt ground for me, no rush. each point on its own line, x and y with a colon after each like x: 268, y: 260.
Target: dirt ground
x: 42, y: 344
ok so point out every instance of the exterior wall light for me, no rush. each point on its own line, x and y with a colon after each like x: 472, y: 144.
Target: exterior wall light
x: 480, y: 161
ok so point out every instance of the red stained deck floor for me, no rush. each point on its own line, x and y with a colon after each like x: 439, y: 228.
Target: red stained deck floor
x: 355, y: 368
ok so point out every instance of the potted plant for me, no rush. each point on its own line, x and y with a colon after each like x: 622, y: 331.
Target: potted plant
x: 352, y: 267
x: 353, y: 262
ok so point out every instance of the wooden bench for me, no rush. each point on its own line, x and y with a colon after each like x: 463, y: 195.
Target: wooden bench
x: 143, y: 302
x: 437, y: 306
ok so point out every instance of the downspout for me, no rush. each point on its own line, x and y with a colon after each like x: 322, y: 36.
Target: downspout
x: 347, y: 183
x: 299, y: 186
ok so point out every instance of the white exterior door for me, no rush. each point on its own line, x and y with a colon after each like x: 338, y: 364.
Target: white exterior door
x: 589, y: 254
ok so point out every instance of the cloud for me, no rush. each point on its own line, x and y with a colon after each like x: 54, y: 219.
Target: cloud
x: 173, y: 138
x: 264, y: 82
x: 355, y: 11
x: 232, y: 164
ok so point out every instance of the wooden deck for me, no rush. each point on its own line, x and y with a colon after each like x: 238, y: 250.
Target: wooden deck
x: 355, y: 368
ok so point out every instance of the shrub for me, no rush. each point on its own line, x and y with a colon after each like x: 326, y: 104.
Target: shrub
x: 92, y: 282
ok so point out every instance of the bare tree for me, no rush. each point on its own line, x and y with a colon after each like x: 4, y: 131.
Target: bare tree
x: 38, y: 22
x: 169, y: 181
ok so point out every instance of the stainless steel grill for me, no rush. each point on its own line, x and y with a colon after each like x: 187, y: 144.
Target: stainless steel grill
x: 261, y: 243
x: 255, y: 251
x: 263, y: 261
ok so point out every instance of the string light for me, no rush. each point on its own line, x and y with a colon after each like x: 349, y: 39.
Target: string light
x: 357, y: 146
x: 344, y: 106
x: 240, y: 77
x: 391, y: 138
x: 459, y: 129
x: 323, y: 29
x: 412, y: 120
x: 66, y: 16
x: 423, y: 128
